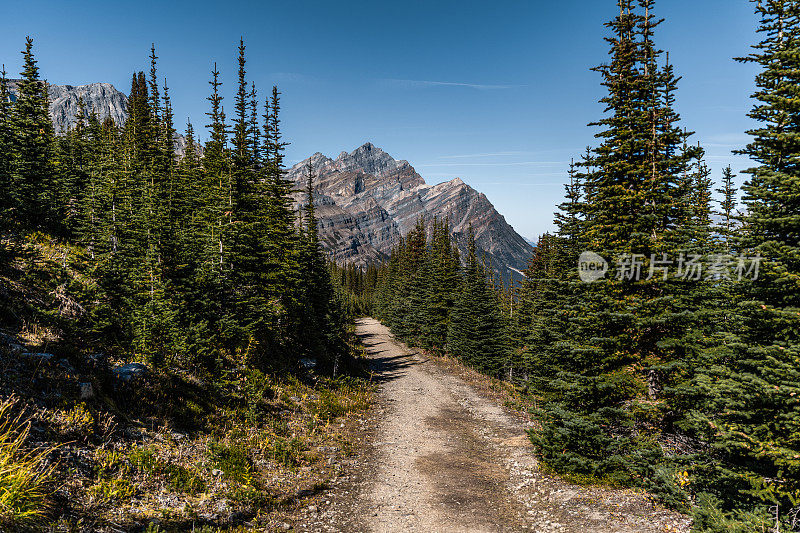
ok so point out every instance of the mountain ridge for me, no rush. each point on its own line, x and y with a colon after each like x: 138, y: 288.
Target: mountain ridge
x: 103, y: 98
x: 366, y: 201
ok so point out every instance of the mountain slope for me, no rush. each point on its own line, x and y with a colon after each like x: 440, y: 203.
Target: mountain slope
x: 366, y: 200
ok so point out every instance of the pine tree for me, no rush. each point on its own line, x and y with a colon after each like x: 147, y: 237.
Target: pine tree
x: 598, y: 380
x: 727, y: 208
x: 72, y: 161
x: 283, y: 269
x: 441, y: 287
x: 217, y: 170
x: 476, y: 331
x: 6, y: 146
x: 281, y: 215
x: 32, y: 181
x: 318, y: 329
x: 747, y: 405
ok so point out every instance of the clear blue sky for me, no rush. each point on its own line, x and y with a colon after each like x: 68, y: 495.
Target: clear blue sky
x: 497, y: 93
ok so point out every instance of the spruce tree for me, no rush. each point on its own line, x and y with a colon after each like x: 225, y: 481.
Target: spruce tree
x: 6, y: 146
x: 476, y: 331
x: 318, y: 332
x: 32, y: 180
x: 216, y: 164
x: 441, y: 287
x: 727, y: 208
x: 72, y: 162
x: 606, y: 391
x: 747, y: 409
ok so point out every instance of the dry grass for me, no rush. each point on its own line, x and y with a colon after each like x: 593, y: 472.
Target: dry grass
x: 24, y: 475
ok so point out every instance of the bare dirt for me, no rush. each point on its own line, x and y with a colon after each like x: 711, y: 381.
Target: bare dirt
x: 444, y: 457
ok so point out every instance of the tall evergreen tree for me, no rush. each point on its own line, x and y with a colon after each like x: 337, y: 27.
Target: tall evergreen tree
x: 605, y: 389
x: 441, y: 287
x: 747, y: 411
x: 6, y: 147
x: 318, y: 296
x: 727, y: 208
x: 32, y: 182
x: 476, y: 332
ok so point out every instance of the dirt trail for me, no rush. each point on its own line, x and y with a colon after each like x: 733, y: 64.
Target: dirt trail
x: 444, y: 458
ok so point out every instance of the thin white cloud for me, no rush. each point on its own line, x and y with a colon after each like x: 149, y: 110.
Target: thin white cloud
x: 431, y: 83
x: 494, y: 154
x: 514, y: 164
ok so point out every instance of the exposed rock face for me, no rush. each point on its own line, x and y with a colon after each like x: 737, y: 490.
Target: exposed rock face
x: 366, y: 200
x: 103, y: 98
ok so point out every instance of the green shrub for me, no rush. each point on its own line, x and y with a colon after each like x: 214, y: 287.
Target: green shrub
x: 287, y: 452
x: 232, y: 460
x: 113, y: 489
x: 143, y: 459
x: 108, y: 463
x: 177, y: 477
x: 329, y: 406
x: 78, y: 422
x: 182, y: 479
x: 710, y: 517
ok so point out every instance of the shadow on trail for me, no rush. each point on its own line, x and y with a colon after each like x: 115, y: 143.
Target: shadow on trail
x: 390, y: 367
x: 387, y: 360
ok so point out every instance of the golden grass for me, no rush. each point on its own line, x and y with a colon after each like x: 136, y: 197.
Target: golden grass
x: 24, y: 475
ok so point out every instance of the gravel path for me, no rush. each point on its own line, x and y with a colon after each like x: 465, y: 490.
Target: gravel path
x: 443, y: 458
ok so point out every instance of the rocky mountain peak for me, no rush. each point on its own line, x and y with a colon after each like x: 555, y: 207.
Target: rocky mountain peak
x: 368, y: 159
x: 367, y: 200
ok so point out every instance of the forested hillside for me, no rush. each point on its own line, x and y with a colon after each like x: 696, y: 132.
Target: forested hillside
x: 678, y: 370
x: 170, y: 324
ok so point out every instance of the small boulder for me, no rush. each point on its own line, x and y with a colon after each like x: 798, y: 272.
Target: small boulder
x: 87, y: 391
x: 130, y: 372
x: 308, y: 364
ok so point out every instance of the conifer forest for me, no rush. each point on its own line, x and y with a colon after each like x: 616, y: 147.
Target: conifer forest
x: 183, y: 348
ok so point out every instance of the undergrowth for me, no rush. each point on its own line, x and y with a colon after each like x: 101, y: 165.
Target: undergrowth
x: 25, y: 475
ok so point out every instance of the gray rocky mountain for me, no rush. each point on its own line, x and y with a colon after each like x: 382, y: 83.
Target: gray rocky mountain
x: 103, y: 98
x: 366, y: 200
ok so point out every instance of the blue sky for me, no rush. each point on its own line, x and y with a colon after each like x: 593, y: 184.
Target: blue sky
x: 496, y: 93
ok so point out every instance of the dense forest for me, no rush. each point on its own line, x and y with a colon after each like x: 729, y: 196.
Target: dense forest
x: 194, y: 257
x: 146, y: 294
x: 680, y: 371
